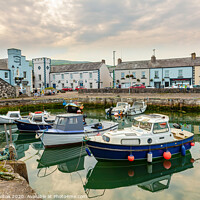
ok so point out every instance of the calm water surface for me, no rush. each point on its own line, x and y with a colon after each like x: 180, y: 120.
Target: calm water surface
x: 70, y: 172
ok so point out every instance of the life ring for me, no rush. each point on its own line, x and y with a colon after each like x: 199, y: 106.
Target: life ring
x: 38, y: 112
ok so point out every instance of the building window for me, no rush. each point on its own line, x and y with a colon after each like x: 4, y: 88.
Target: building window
x: 39, y: 67
x: 6, y: 74
x: 90, y: 85
x: 71, y: 76
x: 39, y: 85
x: 90, y: 74
x: 156, y: 74
x: 54, y: 77
x: 180, y: 72
x: 143, y: 83
x: 122, y: 75
x: 85, y: 81
x: 47, y: 67
x: 81, y: 75
x: 62, y: 76
x: 134, y: 75
x: 40, y: 77
x: 24, y: 74
x: 143, y: 74
x: 63, y: 85
x: 66, y: 81
x: 166, y: 73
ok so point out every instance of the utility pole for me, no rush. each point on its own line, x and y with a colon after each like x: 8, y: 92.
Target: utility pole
x: 114, y: 69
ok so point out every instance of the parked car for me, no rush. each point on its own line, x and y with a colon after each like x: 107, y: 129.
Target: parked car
x: 196, y: 86
x: 182, y: 86
x: 138, y: 86
x: 80, y: 88
x: 149, y: 86
x: 67, y: 89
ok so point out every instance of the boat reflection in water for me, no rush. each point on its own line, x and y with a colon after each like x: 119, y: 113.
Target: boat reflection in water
x: 151, y: 177
x: 69, y: 159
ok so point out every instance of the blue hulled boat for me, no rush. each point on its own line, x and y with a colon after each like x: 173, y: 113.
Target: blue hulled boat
x: 36, y: 121
x: 150, y: 137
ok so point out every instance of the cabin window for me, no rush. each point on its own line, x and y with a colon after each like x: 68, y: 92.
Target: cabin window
x: 73, y: 120
x: 14, y: 115
x: 130, y: 142
x: 106, y: 138
x: 37, y: 118
x: 145, y: 125
x: 161, y: 127
x: 61, y: 121
x: 135, y: 123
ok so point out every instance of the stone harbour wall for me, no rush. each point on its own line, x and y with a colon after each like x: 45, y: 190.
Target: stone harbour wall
x: 7, y: 90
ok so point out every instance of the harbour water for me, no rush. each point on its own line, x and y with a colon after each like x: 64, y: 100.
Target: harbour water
x: 69, y: 173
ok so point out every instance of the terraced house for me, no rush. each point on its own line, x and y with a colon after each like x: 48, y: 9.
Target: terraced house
x: 87, y: 75
x: 159, y: 72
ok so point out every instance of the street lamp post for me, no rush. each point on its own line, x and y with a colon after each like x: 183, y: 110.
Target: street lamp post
x: 114, y: 69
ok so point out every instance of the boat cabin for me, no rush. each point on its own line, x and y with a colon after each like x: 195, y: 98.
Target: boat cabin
x: 37, y: 117
x: 69, y: 122
x: 122, y: 104
x: 13, y: 114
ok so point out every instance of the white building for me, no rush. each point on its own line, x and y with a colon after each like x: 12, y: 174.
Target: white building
x: 41, y: 71
x: 88, y: 75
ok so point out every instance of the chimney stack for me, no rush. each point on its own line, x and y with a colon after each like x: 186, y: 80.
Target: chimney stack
x: 103, y: 61
x: 119, y: 61
x: 193, y: 56
x: 153, y: 59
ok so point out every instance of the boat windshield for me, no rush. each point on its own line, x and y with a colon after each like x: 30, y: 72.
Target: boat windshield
x: 161, y: 127
x: 145, y: 125
x: 121, y: 104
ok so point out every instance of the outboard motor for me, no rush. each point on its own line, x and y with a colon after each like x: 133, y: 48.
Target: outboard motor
x: 110, y: 110
x: 176, y: 125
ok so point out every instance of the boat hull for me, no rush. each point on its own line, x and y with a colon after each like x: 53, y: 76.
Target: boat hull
x: 103, y: 151
x: 136, y: 111
x: 25, y: 126
x: 54, y: 138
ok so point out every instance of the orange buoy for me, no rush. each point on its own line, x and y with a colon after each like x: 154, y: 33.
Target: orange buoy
x: 192, y: 144
x: 131, y: 173
x: 131, y: 158
x: 98, y: 134
x: 192, y: 160
x: 167, y: 155
x: 167, y: 164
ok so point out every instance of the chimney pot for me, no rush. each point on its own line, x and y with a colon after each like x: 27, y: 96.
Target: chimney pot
x: 193, y: 56
x: 103, y: 61
x: 153, y: 59
x: 119, y: 61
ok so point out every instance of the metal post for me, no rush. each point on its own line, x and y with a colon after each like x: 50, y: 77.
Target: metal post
x: 114, y: 69
x: 7, y: 143
x: 10, y: 130
x: 129, y: 83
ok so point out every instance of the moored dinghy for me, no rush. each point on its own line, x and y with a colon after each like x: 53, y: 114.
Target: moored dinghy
x: 150, y: 137
x: 137, y: 108
x: 70, y: 129
x: 121, y: 108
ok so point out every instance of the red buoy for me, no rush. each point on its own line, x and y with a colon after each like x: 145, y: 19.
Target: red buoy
x: 192, y: 144
x: 192, y: 160
x: 167, y: 164
x: 131, y: 158
x: 98, y: 134
x: 167, y: 155
x: 130, y: 172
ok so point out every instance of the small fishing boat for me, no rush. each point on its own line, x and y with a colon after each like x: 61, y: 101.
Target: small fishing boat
x: 149, y: 137
x: 10, y: 117
x: 72, y: 107
x: 71, y: 128
x: 36, y: 121
x: 121, y: 108
x: 138, y: 107
x: 152, y: 177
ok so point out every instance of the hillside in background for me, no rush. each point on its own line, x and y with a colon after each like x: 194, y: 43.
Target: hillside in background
x: 62, y: 62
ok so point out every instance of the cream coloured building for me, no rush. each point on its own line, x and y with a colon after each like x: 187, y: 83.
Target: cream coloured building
x: 90, y: 75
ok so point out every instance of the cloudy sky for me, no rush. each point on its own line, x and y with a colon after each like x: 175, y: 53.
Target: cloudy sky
x: 90, y: 30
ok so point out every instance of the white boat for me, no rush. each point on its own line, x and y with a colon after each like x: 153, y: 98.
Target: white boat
x: 10, y: 117
x: 121, y: 109
x: 149, y: 137
x: 138, y: 107
x: 70, y: 129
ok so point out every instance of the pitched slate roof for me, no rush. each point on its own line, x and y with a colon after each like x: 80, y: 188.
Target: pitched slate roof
x: 4, y: 64
x: 76, y: 67
x: 160, y: 63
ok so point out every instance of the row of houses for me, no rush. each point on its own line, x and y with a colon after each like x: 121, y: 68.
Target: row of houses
x: 40, y: 73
